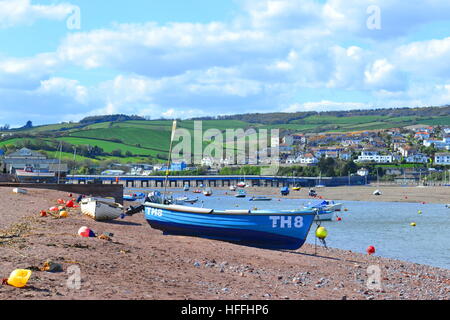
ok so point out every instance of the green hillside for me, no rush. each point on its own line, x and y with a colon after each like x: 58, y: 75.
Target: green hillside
x: 148, y: 140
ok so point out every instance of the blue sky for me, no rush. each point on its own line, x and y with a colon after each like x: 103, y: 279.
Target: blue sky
x: 178, y: 58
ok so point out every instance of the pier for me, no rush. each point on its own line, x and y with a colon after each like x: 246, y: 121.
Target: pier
x: 215, y: 181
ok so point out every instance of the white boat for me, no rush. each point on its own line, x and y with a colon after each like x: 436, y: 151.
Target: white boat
x: 325, y: 216
x: 332, y: 206
x: 207, y: 192
x: 327, y: 210
x: 101, y: 209
x: 232, y: 188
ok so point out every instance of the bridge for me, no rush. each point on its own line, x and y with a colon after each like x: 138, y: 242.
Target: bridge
x: 215, y: 181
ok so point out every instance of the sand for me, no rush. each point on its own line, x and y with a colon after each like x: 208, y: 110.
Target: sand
x: 141, y: 263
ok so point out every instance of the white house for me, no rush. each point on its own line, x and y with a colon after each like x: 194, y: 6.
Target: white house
x: 417, y: 158
x: 362, y: 172
x: 442, y: 158
x: 374, y: 156
x: 438, y: 144
x: 308, y: 159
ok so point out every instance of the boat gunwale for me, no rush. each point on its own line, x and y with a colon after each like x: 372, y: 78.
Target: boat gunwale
x: 187, y: 209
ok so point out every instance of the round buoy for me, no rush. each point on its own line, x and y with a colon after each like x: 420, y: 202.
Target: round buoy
x: 63, y: 214
x: 370, y: 250
x: 419, y: 212
x: 43, y: 213
x: 413, y: 224
x: 339, y: 219
x: 345, y: 209
x: 53, y: 209
x: 86, y: 232
x: 69, y: 204
x: 321, y: 233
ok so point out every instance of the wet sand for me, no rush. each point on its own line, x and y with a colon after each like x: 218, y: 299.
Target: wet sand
x: 141, y: 263
x: 440, y: 195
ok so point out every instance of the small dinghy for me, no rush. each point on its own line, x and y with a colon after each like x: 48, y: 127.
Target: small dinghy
x: 240, y: 194
x: 101, y: 209
x: 184, y: 200
x: 207, y: 192
x: 326, y: 210
x: 260, y: 198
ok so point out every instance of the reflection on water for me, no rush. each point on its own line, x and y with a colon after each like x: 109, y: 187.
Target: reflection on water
x: 384, y: 225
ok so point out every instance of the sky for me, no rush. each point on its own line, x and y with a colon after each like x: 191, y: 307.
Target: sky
x: 64, y: 60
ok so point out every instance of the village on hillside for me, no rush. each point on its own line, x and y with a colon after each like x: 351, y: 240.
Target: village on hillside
x: 405, y: 155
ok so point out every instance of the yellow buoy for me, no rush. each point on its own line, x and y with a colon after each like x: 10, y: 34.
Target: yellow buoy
x: 413, y: 224
x: 19, y: 278
x: 321, y: 233
x: 63, y: 214
x: 419, y: 212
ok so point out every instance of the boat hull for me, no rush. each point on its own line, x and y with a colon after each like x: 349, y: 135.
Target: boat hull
x: 325, y: 216
x: 263, y: 229
x: 101, y: 210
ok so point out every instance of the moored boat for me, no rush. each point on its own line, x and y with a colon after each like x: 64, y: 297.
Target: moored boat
x: 261, y: 228
x: 260, y: 198
x: 207, y: 192
x: 240, y: 194
x: 101, y: 208
x: 326, y: 209
x: 284, y: 191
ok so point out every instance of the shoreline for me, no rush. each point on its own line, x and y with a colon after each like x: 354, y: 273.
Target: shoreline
x: 435, y: 195
x: 141, y: 263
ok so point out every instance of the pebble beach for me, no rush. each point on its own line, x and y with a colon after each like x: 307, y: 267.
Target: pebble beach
x: 140, y: 263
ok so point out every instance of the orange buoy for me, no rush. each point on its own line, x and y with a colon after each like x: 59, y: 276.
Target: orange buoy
x: 43, y: 213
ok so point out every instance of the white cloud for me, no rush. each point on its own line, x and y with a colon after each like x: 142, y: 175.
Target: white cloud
x: 261, y: 61
x: 22, y: 12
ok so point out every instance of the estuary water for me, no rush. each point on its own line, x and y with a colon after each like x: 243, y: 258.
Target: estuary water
x: 384, y: 225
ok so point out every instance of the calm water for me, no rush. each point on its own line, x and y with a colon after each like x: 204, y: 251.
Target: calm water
x: 384, y: 225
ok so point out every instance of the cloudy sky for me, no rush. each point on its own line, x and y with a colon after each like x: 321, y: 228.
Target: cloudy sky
x: 62, y: 60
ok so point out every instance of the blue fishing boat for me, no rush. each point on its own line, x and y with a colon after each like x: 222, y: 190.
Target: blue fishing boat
x: 269, y: 229
x: 284, y: 191
x: 134, y: 196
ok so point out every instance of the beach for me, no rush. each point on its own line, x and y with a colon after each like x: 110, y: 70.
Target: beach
x: 140, y: 263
